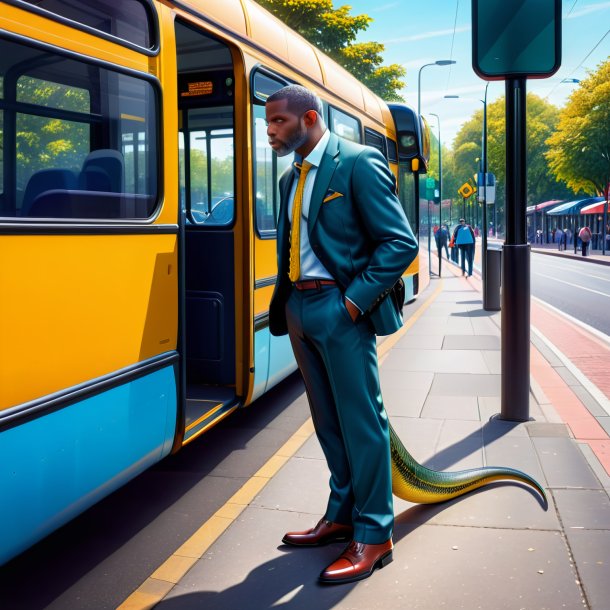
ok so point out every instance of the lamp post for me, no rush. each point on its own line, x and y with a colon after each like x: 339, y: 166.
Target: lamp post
x: 440, y: 190
x: 438, y: 62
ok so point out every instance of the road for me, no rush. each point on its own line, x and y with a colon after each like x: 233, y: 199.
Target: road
x: 578, y: 288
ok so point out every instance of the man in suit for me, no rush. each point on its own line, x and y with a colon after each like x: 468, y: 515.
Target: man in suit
x: 343, y: 239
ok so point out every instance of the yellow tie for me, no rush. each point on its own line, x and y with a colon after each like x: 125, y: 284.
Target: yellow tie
x: 295, y: 233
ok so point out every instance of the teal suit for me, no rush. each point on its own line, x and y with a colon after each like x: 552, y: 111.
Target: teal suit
x: 359, y: 232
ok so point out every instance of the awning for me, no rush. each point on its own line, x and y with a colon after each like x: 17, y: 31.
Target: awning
x: 573, y: 207
x: 595, y: 208
x: 542, y: 206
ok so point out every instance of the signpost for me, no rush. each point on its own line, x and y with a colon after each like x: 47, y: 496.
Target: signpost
x: 513, y: 41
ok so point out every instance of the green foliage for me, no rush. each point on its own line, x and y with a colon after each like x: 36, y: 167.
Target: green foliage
x: 464, y: 161
x: 334, y: 31
x: 579, y: 150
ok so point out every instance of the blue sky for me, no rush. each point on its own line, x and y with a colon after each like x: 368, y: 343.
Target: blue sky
x: 417, y: 33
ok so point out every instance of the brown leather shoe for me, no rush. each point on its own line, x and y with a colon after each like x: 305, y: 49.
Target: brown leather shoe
x: 357, y: 562
x: 324, y: 532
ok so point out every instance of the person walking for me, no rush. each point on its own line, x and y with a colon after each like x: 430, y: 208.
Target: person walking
x: 585, y: 237
x: 464, y: 238
x: 442, y: 239
x: 343, y: 240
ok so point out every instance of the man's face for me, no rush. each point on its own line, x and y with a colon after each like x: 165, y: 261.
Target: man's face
x: 286, y: 131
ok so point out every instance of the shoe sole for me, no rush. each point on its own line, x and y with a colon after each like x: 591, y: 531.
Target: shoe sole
x: 322, y: 542
x: 380, y: 563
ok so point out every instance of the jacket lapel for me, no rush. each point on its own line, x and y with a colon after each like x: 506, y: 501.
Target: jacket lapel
x: 323, y: 177
x: 282, y: 230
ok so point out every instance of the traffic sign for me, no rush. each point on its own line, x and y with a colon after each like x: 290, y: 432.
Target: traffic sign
x: 466, y: 190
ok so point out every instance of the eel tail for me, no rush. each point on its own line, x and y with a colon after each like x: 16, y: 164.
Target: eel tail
x: 415, y: 483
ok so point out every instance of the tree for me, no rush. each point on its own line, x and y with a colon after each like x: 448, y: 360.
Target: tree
x: 334, y: 32
x: 542, y: 118
x: 579, y: 151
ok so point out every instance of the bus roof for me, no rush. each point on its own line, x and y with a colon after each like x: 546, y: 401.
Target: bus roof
x: 247, y: 20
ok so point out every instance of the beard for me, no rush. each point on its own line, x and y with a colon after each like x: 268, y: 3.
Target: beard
x: 296, y: 140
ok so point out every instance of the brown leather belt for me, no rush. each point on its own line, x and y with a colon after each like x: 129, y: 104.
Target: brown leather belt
x: 313, y: 284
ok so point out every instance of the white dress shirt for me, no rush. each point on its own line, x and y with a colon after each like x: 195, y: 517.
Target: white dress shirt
x: 311, y: 267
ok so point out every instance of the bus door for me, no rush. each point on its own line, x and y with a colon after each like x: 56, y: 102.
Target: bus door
x: 207, y: 196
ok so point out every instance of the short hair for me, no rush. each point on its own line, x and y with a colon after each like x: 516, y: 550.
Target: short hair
x: 300, y: 99
x: 462, y: 220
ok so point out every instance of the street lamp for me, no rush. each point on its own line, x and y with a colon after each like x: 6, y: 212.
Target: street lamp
x: 438, y: 62
x: 440, y: 194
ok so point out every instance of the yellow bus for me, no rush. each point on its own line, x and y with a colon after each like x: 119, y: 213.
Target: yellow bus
x: 138, y: 207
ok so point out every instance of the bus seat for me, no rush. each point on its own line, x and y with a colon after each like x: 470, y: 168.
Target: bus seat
x: 46, y: 180
x: 103, y: 171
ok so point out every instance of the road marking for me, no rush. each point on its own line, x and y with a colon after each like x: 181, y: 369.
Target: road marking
x: 554, y: 279
x: 562, y: 268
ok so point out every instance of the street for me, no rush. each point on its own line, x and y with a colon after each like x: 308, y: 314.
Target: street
x: 578, y: 288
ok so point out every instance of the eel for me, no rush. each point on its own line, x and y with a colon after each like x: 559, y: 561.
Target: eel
x: 415, y: 483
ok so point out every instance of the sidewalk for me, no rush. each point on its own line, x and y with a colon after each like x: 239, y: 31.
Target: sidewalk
x: 494, y: 548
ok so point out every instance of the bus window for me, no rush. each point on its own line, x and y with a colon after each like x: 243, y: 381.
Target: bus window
x: 268, y: 169
x: 210, y: 171
x: 345, y: 125
x: 79, y: 141
x: 130, y: 21
x: 375, y: 140
x: 268, y: 166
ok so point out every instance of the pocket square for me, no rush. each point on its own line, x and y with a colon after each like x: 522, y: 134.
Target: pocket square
x: 330, y: 195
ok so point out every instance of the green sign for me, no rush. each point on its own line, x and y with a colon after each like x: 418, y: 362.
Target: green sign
x: 430, y: 183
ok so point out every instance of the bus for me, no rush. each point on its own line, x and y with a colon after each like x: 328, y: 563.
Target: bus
x: 138, y: 210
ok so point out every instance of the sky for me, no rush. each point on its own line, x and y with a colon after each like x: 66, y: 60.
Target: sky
x: 418, y: 33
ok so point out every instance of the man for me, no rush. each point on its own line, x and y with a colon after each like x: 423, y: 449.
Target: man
x: 464, y: 238
x: 442, y: 239
x: 343, y: 239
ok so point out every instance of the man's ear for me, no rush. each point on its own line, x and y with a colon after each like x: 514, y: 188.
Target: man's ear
x: 311, y: 118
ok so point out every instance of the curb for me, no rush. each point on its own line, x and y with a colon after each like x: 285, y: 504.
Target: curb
x: 575, y: 257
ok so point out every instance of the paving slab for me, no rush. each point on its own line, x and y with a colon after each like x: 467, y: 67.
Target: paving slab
x: 437, y: 361
x: 419, y: 342
x: 564, y: 465
x: 475, y: 342
x: 446, y: 407
x: 452, y: 384
x: 591, y: 552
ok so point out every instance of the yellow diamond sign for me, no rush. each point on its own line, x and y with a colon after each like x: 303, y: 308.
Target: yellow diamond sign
x: 466, y: 190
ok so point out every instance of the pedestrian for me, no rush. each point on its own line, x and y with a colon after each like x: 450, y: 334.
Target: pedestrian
x: 464, y: 238
x: 454, y: 246
x: 585, y: 237
x: 343, y: 239
x: 442, y: 239
x: 559, y: 237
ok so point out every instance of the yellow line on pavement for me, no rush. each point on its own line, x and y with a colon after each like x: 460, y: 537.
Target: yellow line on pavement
x: 169, y: 573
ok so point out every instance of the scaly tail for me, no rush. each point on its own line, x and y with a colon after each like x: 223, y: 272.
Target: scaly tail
x: 415, y: 483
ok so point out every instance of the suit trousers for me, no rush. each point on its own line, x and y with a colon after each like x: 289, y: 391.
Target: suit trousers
x: 338, y: 360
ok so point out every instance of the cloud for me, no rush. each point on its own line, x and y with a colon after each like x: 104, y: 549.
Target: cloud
x: 587, y: 10
x: 431, y: 34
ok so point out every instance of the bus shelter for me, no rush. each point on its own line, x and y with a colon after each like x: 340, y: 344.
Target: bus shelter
x: 567, y: 216
x: 537, y: 221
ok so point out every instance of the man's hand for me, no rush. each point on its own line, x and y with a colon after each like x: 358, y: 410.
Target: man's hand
x: 352, y: 310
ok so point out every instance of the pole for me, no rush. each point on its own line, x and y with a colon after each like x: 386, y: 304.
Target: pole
x: 515, y: 354
x: 605, y: 220
x: 484, y: 236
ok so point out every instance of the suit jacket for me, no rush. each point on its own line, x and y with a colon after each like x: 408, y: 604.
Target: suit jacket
x: 357, y: 229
